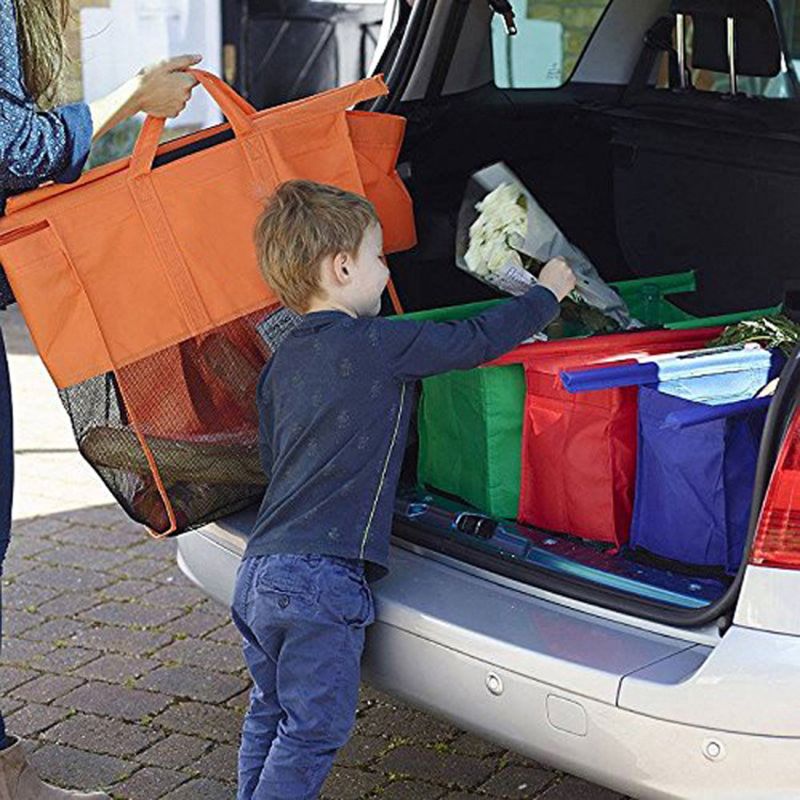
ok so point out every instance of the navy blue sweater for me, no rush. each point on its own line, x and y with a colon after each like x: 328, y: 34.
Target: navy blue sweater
x: 334, y: 405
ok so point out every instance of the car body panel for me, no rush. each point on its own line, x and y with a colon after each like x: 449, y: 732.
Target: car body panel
x: 519, y: 632
x: 768, y: 600
x: 210, y: 557
x: 747, y: 685
x: 569, y: 688
x: 627, y: 751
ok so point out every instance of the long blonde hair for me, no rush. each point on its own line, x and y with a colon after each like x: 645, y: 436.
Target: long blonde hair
x: 40, y: 30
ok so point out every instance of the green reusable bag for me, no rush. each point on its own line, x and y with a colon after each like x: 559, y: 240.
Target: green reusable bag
x: 646, y: 299
x: 470, y: 421
x: 470, y: 433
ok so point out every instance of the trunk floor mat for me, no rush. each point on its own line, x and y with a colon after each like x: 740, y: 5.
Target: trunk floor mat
x: 596, y: 563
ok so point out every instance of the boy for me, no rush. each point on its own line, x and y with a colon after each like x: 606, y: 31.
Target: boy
x: 334, y: 405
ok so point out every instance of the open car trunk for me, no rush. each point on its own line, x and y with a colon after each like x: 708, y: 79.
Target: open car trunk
x: 646, y: 184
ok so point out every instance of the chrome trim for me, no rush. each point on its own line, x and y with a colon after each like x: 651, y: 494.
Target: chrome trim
x: 731, y: 29
x: 680, y: 33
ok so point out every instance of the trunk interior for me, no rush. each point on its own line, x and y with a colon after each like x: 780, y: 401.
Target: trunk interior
x: 657, y: 184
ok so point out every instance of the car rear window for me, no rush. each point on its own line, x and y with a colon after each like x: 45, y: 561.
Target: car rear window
x: 550, y: 39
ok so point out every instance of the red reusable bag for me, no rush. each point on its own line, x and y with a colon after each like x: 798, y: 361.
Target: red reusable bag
x: 579, y: 450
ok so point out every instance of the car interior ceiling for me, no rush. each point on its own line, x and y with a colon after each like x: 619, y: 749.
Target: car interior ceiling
x: 647, y: 181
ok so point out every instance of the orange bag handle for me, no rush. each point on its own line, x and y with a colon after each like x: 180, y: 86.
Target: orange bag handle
x: 240, y: 113
x: 237, y: 110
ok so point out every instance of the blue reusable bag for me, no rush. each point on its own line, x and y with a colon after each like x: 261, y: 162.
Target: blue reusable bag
x: 698, y: 444
x: 694, y: 485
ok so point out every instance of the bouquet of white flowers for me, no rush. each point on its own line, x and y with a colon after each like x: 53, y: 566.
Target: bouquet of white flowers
x: 504, y: 237
x: 502, y: 218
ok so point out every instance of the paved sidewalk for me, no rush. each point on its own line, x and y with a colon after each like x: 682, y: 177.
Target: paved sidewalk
x: 120, y: 674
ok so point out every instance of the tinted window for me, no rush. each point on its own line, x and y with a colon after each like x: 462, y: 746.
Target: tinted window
x: 550, y: 39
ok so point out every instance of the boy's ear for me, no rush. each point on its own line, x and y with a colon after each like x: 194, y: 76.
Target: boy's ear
x: 342, y: 267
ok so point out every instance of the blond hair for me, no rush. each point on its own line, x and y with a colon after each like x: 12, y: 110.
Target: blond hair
x: 40, y: 32
x: 303, y: 223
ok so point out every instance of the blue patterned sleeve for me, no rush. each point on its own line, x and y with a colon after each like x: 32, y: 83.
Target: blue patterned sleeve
x: 35, y: 146
x: 412, y: 349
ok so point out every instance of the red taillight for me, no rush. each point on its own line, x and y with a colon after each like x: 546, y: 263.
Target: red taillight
x: 777, y: 542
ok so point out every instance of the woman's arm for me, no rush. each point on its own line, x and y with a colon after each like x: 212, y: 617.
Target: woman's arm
x: 161, y: 90
x: 37, y: 146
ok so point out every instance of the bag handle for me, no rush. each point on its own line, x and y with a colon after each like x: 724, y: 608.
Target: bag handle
x: 240, y: 113
x: 237, y: 110
x: 698, y: 414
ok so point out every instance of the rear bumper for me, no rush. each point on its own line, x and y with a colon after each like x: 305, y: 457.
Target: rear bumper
x: 211, y: 561
x: 650, y: 715
x: 626, y: 751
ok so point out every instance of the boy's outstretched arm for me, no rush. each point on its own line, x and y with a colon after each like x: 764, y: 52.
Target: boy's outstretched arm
x: 417, y: 349
x: 414, y: 350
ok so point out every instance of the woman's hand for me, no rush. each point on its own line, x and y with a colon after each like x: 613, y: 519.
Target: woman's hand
x: 161, y: 90
x: 165, y: 88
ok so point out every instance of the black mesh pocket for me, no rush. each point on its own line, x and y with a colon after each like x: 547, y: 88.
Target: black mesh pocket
x: 174, y: 435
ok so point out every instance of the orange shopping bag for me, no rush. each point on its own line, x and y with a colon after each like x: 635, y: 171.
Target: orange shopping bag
x: 141, y: 289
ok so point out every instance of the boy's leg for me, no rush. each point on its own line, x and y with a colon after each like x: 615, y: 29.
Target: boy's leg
x: 261, y: 656
x: 260, y: 726
x: 319, y: 670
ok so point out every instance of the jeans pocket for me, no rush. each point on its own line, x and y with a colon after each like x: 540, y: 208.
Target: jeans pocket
x: 354, y: 603
x: 287, y: 581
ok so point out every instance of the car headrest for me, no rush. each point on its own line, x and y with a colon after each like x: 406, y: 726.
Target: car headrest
x: 758, y: 45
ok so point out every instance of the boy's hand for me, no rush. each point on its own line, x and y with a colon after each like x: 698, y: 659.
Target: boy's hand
x: 557, y: 276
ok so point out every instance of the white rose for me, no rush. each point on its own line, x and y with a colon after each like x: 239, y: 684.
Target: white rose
x: 501, y: 217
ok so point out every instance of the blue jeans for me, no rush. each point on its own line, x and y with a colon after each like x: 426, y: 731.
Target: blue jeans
x: 303, y: 619
x: 6, y: 478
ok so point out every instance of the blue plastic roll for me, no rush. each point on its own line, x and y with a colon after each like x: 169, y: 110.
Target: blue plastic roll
x: 696, y: 364
x: 592, y: 380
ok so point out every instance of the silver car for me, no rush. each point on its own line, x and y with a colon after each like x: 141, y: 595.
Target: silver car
x: 653, y: 680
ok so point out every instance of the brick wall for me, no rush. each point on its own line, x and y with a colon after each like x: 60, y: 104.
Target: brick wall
x: 578, y: 17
